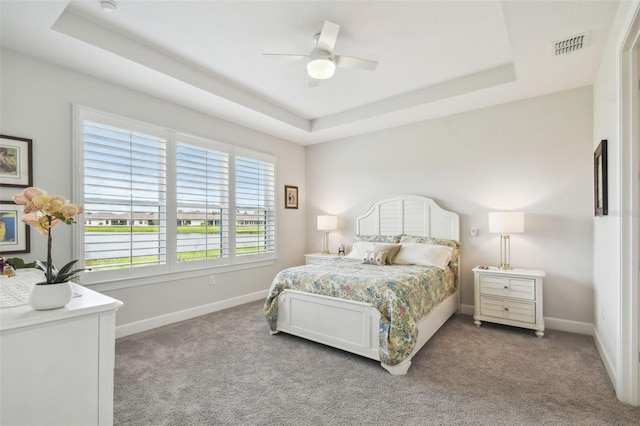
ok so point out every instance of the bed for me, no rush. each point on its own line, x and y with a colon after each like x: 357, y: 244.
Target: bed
x: 383, y: 311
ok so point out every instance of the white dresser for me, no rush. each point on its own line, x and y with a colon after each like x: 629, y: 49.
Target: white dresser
x: 56, y: 366
x: 510, y: 297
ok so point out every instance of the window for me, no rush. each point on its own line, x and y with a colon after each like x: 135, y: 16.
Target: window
x: 202, y: 181
x: 158, y: 201
x: 255, y: 206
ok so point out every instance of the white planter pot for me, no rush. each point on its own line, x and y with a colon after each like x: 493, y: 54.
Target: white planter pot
x: 50, y: 296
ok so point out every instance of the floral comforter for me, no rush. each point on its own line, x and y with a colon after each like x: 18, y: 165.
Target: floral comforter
x: 403, y: 294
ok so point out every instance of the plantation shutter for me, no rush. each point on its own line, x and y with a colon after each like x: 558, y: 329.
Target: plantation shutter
x: 202, y: 194
x: 255, y: 204
x: 124, y: 190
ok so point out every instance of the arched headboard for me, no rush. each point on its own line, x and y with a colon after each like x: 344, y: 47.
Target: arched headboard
x: 411, y: 215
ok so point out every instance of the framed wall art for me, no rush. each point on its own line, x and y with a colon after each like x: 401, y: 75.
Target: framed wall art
x: 290, y: 197
x: 16, y: 162
x: 600, y: 186
x: 14, y: 233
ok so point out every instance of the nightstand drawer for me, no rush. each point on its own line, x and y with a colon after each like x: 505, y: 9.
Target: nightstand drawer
x: 517, y: 288
x: 508, y: 309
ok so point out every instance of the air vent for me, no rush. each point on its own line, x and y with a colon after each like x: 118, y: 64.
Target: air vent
x: 570, y: 45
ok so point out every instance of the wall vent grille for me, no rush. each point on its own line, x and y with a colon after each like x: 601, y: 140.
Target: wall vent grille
x: 572, y: 44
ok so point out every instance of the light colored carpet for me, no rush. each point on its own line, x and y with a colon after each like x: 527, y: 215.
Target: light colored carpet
x: 226, y: 369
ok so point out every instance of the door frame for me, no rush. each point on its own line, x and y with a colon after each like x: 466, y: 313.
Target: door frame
x: 628, y: 365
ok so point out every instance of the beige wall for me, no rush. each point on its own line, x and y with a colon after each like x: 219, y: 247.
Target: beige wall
x: 533, y: 155
x: 37, y: 103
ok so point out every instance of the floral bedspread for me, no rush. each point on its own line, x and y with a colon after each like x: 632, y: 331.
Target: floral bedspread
x: 403, y: 294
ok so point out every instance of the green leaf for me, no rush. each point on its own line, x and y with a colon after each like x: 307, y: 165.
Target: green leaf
x: 59, y: 276
x: 18, y: 263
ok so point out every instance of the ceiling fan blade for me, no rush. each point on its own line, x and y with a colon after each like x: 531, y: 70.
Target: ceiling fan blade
x: 288, y: 56
x: 328, y: 36
x: 313, y: 82
x: 356, y: 63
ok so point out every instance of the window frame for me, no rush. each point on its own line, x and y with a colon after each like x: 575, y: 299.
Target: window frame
x: 172, y: 270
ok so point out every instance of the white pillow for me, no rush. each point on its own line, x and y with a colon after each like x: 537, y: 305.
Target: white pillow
x: 359, y: 250
x: 424, y: 254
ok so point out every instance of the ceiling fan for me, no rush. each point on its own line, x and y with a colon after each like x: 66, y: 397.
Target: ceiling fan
x: 322, y: 62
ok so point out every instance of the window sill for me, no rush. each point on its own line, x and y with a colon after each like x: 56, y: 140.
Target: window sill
x: 121, y: 283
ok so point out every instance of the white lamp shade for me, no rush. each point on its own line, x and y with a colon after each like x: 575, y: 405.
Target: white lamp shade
x: 321, y: 69
x: 506, y: 222
x: 327, y: 223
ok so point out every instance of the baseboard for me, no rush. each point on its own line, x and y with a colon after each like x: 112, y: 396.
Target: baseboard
x: 162, y: 320
x: 467, y: 309
x: 550, y: 323
x: 604, y: 356
x: 568, y: 325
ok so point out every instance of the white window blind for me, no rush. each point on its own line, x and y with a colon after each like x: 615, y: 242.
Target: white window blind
x: 158, y: 201
x: 124, y: 194
x: 202, y: 182
x: 255, y: 205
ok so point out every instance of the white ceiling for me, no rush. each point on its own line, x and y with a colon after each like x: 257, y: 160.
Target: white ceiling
x: 435, y: 57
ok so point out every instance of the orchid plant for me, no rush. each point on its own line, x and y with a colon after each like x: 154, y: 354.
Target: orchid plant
x: 43, y: 212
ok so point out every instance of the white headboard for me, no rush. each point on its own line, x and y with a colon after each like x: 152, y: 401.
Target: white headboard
x: 411, y: 215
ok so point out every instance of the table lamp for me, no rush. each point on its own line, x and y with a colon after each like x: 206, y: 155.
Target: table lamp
x: 506, y: 223
x: 326, y: 224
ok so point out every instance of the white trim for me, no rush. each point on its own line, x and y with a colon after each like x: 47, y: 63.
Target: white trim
x: 117, y: 284
x: 569, y: 325
x: 550, y: 323
x: 162, y: 320
x: 606, y: 359
x: 627, y: 372
x: 467, y: 309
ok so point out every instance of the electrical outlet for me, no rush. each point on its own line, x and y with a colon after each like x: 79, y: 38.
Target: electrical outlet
x: 212, y: 279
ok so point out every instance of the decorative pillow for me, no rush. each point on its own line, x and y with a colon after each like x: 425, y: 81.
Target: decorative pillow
x: 392, y: 249
x: 388, y: 239
x: 359, y: 249
x: 455, y: 254
x: 424, y: 254
x: 375, y: 258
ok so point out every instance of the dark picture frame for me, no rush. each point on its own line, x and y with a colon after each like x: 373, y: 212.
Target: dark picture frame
x: 290, y: 197
x: 16, y: 162
x: 600, y: 184
x: 14, y: 233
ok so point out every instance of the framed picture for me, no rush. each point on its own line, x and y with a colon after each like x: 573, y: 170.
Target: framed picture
x: 16, y: 161
x: 601, y: 203
x: 290, y: 197
x: 14, y: 233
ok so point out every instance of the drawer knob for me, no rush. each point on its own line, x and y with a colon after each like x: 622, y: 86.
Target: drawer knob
x: 506, y: 309
x: 506, y: 287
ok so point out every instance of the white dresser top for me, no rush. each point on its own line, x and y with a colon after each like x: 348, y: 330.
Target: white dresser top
x: 84, y: 302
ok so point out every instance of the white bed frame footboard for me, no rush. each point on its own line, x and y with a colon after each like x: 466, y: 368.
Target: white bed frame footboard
x: 354, y: 326
x: 351, y: 326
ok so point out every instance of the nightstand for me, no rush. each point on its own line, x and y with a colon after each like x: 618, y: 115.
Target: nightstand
x: 510, y: 297
x: 320, y: 258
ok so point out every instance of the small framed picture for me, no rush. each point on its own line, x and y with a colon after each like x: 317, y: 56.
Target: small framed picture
x: 14, y: 233
x: 601, y: 193
x: 15, y: 162
x: 290, y: 197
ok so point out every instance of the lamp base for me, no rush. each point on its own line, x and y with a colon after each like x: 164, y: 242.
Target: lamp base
x: 505, y: 248
x: 325, y: 250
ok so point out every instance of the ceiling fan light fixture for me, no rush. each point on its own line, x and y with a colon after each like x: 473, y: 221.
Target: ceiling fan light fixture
x: 321, y: 69
x: 109, y: 6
